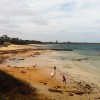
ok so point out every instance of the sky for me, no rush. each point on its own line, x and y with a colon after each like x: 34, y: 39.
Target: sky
x: 51, y: 20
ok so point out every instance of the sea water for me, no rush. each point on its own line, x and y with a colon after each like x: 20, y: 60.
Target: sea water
x: 89, y: 51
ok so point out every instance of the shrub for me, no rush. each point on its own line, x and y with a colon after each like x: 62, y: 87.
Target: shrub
x: 15, y: 89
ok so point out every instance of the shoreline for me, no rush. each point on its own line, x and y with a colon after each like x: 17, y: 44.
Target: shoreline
x: 40, y: 76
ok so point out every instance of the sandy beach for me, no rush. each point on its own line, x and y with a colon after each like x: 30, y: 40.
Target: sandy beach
x: 20, y: 61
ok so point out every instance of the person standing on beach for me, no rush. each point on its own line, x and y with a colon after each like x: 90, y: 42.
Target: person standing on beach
x: 52, y: 74
x: 54, y: 68
x: 64, y: 79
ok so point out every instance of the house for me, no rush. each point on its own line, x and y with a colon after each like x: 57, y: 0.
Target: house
x: 5, y: 37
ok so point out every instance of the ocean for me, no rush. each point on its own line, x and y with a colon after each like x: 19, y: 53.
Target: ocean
x: 90, y: 53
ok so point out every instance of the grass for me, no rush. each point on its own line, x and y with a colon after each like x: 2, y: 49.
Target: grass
x: 7, y: 43
x: 15, y: 89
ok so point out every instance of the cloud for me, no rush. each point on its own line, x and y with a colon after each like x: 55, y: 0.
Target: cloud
x: 51, y: 19
x: 39, y: 20
x: 68, y: 7
x: 14, y: 8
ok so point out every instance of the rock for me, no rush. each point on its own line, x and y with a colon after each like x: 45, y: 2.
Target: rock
x: 8, y: 66
x: 21, y: 58
x: 79, y: 92
x: 45, y: 83
x: 79, y: 59
x: 62, y: 49
x: 23, y: 71
x: 98, y: 98
x: 57, y: 87
x: 70, y: 94
x: 54, y: 90
x: 41, y: 82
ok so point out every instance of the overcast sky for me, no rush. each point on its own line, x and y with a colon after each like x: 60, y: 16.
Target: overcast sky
x: 51, y: 20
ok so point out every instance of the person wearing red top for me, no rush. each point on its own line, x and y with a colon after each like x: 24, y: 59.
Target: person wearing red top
x: 64, y: 79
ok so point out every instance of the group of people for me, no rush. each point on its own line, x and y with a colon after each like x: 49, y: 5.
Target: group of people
x: 63, y: 76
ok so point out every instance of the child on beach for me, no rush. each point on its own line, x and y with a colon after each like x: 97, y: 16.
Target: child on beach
x: 54, y: 68
x: 64, y: 79
x: 52, y: 74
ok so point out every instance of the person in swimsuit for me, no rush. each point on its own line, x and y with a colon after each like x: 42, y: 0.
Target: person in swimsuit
x: 64, y: 79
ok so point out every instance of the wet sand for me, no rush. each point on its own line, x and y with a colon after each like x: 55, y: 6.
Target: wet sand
x: 81, y: 84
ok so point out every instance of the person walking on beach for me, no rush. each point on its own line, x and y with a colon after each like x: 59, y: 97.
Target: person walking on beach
x: 52, y: 74
x: 64, y: 79
x: 54, y: 68
x: 55, y: 71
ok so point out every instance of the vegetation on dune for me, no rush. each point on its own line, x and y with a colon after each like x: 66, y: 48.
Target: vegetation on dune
x: 5, y: 39
x: 15, y: 89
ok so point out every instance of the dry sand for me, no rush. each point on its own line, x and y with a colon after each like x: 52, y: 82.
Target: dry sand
x: 39, y: 77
